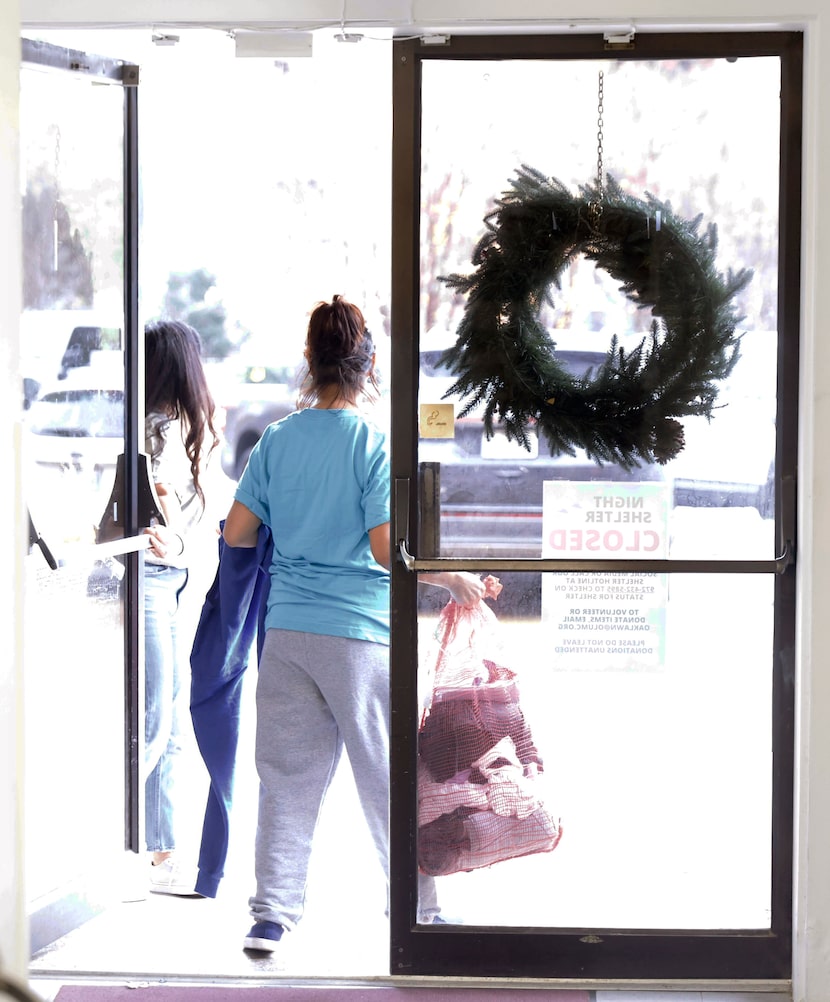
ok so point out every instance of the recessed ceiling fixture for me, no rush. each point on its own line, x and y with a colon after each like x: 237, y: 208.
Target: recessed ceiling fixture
x: 273, y: 44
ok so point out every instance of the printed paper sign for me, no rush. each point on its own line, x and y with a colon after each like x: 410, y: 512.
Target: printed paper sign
x: 613, y: 620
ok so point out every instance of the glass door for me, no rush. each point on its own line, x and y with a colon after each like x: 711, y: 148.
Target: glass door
x: 597, y: 294
x: 79, y: 377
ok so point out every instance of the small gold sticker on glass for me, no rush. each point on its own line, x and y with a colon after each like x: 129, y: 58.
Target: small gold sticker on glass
x: 437, y: 421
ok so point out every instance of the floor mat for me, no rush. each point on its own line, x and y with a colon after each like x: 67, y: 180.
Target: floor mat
x: 147, y: 992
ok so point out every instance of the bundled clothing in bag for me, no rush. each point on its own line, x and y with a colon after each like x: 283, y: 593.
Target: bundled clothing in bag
x: 478, y: 799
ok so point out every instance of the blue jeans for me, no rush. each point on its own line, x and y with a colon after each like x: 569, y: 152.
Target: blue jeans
x: 162, y: 692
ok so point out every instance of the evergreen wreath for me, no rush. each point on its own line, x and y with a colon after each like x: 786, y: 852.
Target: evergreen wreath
x: 627, y: 410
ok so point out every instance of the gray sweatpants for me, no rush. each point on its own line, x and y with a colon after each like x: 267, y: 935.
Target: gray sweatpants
x: 315, y: 695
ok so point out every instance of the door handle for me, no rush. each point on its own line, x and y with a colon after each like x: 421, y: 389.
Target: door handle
x: 86, y: 551
x: 777, y: 565
x: 35, y: 539
x: 401, y: 525
x: 90, y: 552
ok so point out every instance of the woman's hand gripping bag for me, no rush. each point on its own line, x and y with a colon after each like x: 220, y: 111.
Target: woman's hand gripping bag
x: 478, y: 798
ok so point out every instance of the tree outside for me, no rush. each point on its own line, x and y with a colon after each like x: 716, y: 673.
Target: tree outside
x: 192, y: 297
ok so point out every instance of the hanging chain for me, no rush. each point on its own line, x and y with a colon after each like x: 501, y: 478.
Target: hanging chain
x: 600, y: 179
x: 595, y: 207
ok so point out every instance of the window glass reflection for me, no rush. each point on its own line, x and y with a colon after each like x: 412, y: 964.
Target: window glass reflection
x: 490, y: 491
x: 658, y: 769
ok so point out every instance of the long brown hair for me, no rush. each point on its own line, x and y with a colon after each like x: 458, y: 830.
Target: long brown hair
x: 339, y: 352
x: 175, y: 385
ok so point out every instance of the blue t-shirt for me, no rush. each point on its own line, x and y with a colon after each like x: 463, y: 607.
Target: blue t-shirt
x: 320, y: 480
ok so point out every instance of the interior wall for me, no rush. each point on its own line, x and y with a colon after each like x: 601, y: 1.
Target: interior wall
x: 13, y: 940
x: 811, y: 973
x: 812, y: 931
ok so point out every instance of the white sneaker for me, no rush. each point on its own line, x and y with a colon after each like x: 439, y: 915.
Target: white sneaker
x: 169, y: 877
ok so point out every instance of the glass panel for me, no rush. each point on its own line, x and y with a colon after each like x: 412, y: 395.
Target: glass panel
x: 675, y: 130
x: 73, y: 420
x: 646, y: 697
x: 298, y: 214
x: 653, y: 766
x: 306, y: 239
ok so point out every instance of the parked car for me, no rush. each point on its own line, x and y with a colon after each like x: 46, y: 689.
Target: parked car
x: 256, y: 399
x: 249, y: 401
x: 54, y: 342
x: 79, y: 429
x: 76, y: 422
x: 74, y: 433
x: 490, y: 490
x: 729, y: 460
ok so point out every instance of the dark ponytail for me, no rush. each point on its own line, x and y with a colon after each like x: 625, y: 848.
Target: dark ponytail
x: 339, y: 353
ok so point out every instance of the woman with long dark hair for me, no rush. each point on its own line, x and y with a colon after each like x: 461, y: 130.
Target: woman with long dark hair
x: 179, y: 438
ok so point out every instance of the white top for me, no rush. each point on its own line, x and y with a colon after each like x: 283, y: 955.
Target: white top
x: 170, y: 465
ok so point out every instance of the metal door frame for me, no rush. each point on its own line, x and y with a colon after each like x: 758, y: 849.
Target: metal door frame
x: 106, y: 70
x: 707, y: 957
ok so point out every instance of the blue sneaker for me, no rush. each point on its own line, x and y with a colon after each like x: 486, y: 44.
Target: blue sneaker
x: 264, y: 936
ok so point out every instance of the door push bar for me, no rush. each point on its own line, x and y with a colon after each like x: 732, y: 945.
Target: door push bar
x: 89, y: 551
x: 72, y: 552
x: 112, y: 521
x: 777, y: 565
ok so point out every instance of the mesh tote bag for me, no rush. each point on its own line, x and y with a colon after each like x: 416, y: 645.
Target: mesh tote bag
x: 479, y: 801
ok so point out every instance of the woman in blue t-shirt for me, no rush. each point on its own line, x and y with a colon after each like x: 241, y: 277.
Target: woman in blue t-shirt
x: 319, y: 479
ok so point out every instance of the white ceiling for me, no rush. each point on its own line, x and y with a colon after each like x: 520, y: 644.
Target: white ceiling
x: 404, y: 16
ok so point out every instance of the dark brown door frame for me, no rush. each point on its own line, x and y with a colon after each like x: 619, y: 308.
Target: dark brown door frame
x: 585, y: 954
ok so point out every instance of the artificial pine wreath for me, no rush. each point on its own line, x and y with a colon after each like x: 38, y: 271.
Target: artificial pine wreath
x: 627, y: 410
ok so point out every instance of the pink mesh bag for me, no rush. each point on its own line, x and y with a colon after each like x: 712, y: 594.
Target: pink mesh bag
x: 478, y: 799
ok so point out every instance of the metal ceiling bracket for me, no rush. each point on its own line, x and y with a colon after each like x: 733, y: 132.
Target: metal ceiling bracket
x: 621, y: 40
